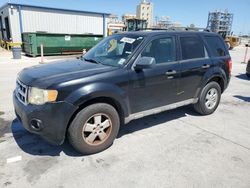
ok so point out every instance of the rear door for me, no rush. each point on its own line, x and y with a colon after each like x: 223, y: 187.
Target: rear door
x: 219, y: 53
x: 194, y: 64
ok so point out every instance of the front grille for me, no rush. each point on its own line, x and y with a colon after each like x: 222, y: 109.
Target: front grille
x: 21, y: 92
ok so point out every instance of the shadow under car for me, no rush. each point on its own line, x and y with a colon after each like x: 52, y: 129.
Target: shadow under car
x: 35, y: 145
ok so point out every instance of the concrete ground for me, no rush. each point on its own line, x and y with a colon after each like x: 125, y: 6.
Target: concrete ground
x: 178, y: 148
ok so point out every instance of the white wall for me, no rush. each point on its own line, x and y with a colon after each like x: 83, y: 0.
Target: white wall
x: 35, y: 19
x: 145, y: 11
x: 53, y: 21
x: 15, y: 25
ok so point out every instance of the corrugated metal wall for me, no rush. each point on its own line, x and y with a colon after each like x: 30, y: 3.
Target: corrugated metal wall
x: 35, y: 19
x: 4, y: 13
x: 53, y: 21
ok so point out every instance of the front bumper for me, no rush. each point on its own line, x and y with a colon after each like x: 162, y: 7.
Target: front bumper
x: 53, y: 119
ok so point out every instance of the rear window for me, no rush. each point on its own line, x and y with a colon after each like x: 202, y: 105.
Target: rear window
x: 216, y: 46
x: 192, y: 48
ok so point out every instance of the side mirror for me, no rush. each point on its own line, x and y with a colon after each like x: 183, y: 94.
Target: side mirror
x: 144, y: 63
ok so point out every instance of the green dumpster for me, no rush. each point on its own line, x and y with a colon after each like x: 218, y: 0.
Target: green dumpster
x: 56, y: 44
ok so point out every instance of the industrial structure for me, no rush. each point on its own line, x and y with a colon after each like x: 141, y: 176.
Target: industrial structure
x: 164, y: 22
x: 114, y: 24
x: 16, y: 19
x: 135, y: 24
x: 144, y: 11
x: 127, y: 16
x: 220, y: 22
x: 130, y: 22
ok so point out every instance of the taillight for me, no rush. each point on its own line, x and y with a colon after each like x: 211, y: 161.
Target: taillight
x: 229, y: 65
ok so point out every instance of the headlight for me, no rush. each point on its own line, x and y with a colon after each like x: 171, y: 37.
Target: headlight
x: 40, y: 96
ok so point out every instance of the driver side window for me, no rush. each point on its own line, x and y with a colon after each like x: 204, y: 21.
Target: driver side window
x: 163, y: 50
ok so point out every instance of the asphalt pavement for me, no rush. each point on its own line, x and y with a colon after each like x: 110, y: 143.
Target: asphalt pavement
x: 178, y: 148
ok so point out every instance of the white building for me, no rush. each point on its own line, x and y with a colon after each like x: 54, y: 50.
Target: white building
x: 127, y: 16
x: 145, y: 12
x: 114, y: 24
x: 16, y: 19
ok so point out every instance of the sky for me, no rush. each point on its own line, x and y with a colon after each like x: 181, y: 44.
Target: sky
x: 185, y: 11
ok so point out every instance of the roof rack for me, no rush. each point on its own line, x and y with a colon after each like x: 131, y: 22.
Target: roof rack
x: 176, y: 29
x: 152, y: 29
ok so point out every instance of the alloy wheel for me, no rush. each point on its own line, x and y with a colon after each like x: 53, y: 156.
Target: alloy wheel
x: 211, y: 98
x: 97, y: 129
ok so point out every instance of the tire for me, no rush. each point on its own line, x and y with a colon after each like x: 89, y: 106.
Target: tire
x: 94, y: 128
x: 202, y: 106
x: 248, y: 75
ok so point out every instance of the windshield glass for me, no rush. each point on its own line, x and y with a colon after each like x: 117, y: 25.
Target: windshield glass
x: 113, y: 50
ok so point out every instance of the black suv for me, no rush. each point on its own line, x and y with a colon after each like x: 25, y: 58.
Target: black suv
x: 248, y: 69
x: 125, y: 77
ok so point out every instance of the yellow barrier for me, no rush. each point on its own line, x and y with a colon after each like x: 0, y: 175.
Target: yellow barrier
x: 2, y: 43
x: 12, y: 44
x: 9, y: 45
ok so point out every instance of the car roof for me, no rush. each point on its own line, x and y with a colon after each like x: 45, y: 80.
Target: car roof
x: 152, y: 33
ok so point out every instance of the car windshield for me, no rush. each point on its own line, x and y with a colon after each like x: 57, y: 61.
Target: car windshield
x: 113, y: 50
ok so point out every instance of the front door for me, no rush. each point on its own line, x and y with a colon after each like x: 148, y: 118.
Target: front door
x: 156, y: 86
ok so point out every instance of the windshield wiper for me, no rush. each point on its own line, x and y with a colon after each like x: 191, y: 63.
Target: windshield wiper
x: 92, y: 61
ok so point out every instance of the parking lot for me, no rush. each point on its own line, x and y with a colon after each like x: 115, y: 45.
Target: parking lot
x: 178, y: 148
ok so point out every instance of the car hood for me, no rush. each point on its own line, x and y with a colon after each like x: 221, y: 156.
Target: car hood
x: 58, y: 72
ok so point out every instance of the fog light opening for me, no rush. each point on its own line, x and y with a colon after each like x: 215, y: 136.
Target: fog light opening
x: 36, y: 124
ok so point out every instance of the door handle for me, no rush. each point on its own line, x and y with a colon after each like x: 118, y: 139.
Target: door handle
x: 205, y: 66
x: 170, y: 72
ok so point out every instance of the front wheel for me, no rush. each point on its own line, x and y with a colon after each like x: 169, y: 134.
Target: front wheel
x: 209, y: 99
x: 94, y: 128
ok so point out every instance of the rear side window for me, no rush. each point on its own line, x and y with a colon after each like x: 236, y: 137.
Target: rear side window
x: 216, y: 46
x: 192, y: 48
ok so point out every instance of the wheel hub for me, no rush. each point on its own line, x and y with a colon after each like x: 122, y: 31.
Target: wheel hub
x: 97, y: 129
x: 211, y: 98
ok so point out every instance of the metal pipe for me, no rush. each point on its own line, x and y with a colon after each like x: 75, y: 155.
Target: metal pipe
x: 20, y: 18
x: 42, y: 59
x: 104, y: 26
x: 245, y: 57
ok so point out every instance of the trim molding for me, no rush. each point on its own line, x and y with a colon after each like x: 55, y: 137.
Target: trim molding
x: 104, y: 25
x: 158, y: 110
x: 52, y: 8
x: 20, y: 20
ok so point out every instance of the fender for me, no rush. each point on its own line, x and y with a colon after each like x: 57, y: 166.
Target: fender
x: 209, y: 75
x: 99, y: 89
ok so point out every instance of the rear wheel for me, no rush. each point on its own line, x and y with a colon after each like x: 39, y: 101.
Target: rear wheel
x: 94, y: 128
x: 209, y: 99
